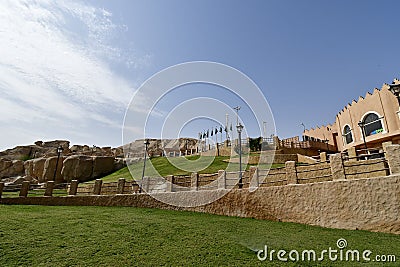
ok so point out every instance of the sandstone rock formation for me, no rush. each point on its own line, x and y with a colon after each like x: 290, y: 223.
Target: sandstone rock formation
x: 11, y: 168
x: 38, y: 161
x: 86, y: 168
x: 34, y: 168
x: 39, y: 149
x: 49, y: 168
x: 102, y: 166
x: 77, y: 168
x: 82, y: 162
x: 158, y: 147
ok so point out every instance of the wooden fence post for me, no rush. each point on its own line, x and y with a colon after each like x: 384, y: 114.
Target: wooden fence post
x: 337, y: 167
x: 121, y: 186
x: 352, y: 154
x: 322, y: 157
x: 194, y: 181
x: 291, y: 172
x: 49, y: 189
x: 145, y: 184
x: 221, y: 179
x: 393, y: 157
x: 97, y: 187
x: 24, y: 189
x: 73, y: 188
x: 254, y: 178
x: 170, y: 183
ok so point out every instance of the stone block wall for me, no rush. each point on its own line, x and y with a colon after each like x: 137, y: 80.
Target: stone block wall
x: 347, y: 204
x: 369, y: 169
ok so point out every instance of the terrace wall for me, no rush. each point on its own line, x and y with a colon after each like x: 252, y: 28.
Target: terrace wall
x: 365, y: 204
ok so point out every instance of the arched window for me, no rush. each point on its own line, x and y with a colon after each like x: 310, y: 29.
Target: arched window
x: 372, y: 124
x: 348, y: 137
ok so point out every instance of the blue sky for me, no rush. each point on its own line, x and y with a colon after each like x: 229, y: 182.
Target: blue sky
x: 69, y: 68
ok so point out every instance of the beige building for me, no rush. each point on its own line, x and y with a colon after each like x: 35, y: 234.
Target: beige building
x: 367, y: 122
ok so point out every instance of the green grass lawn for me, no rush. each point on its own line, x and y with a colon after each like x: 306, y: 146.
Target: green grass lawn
x: 127, y: 236
x: 165, y: 166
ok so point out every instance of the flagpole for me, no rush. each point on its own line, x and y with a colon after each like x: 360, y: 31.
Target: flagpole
x: 206, y: 142
x: 226, y: 125
x: 216, y: 139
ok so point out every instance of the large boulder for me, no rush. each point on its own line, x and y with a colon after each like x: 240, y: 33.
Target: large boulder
x: 4, y: 167
x: 49, y: 169
x: 86, y: 168
x: 17, y: 167
x: 20, y: 152
x: 35, y: 168
x: 119, y: 163
x: 118, y: 152
x: 11, y: 168
x: 102, y: 166
x: 77, y: 168
x: 56, y: 143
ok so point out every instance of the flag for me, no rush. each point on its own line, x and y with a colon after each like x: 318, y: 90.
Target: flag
x: 204, y: 135
x: 220, y: 129
x: 231, y: 127
x: 226, y: 128
x: 212, y: 132
x: 200, y: 135
x: 216, y: 130
x: 208, y: 133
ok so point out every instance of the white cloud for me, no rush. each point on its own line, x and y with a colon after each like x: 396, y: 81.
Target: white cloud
x: 55, y: 67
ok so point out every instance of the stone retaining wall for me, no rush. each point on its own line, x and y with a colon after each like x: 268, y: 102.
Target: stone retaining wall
x: 367, y: 204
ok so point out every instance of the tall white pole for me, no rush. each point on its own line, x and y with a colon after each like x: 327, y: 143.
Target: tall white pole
x: 237, y: 108
x: 265, y: 129
x: 226, y: 125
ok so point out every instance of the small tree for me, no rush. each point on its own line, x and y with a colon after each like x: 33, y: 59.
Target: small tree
x: 255, y: 144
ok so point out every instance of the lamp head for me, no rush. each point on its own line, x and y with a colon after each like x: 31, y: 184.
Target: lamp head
x: 239, y: 127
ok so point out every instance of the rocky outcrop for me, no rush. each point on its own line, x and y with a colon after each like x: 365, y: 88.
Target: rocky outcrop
x: 11, y: 168
x: 157, y: 147
x: 21, y: 152
x: 84, y: 162
x: 35, y: 168
x: 38, y: 150
x: 119, y: 163
x: 49, y: 169
x: 77, y: 168
x: 86, y: 168
x: 92, y: 151
x: 118, y: 152
x: 102, y: 166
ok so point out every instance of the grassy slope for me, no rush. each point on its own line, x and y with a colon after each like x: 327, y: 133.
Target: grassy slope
x: 125, y: 236
x: 162, y: 166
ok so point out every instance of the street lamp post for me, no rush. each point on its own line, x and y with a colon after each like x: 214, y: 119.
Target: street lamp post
x: 59, y: 151
x: 237, y: 108
x: 239, y: 128
x: 304, y: 129
x: 146, y: 144
x: 362, y: 126
x: 94, y: 149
